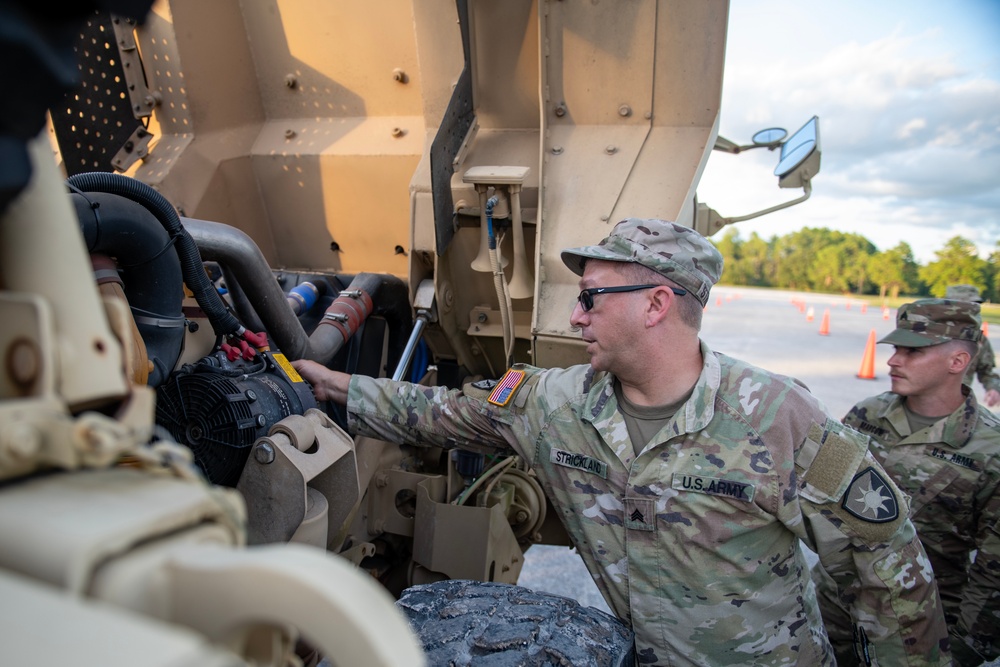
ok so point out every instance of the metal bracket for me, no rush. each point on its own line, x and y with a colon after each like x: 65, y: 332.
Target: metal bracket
x: 358, y: 552
x: 141, y: 98
x: 136, y: 148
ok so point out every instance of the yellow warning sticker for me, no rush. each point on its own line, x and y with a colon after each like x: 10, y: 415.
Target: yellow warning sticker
x: 286, y: 366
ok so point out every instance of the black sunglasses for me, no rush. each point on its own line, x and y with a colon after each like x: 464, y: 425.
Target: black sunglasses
x: 586, y: 297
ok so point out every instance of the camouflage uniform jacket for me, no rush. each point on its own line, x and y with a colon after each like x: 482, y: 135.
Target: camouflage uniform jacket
x: 951, y: 470
x: 984, y: 367
x: 695, y: 541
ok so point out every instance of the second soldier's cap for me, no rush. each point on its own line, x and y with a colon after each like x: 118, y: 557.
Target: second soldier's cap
x: 963, y: 293
x: 934, y: 321
x: 679, y: 253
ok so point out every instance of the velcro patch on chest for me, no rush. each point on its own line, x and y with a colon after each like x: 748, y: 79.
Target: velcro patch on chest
x: 713, y: 486
x: 870, y: 498
x: 579, y: 461
x: 505, y: 389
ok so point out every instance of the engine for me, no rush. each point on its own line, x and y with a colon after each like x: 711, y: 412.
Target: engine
x: 213, y: 330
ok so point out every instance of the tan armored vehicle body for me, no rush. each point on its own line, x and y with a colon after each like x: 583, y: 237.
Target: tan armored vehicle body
x: 233, y: 185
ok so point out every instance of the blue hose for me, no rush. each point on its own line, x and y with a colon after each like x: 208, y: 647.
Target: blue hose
x: 421, y: 358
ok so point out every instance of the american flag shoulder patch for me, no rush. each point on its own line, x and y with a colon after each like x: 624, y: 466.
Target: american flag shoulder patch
x: 508, y: 384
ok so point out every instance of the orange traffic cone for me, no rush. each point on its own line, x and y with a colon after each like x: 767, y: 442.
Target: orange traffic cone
x: 718, y: 301
x: 867, y: 371
x: 864, y: 308
x: 824, y: 326
x: 986, y: 329
x: 810, y: 314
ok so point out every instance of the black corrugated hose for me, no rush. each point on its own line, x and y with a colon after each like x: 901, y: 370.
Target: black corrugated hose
x: 223, y: 322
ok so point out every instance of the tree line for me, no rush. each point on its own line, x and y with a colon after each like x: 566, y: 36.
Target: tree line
x: 823, y: 260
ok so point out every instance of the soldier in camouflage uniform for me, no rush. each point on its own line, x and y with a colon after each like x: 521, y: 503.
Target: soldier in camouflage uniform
x: 685, y: 478
x: 983, y: 366
x: 943, y: 449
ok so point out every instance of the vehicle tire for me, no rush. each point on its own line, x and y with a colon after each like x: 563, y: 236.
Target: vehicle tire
x: 463, y: 623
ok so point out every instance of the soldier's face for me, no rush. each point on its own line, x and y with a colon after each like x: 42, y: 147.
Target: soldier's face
x: 917, y: 371
x: 608, y: 327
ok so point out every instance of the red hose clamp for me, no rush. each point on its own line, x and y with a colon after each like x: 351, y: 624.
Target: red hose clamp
x: 348, y: 311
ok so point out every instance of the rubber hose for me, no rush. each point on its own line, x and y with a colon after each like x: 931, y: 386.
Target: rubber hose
x: 192, y: 267
x: 150, y: 271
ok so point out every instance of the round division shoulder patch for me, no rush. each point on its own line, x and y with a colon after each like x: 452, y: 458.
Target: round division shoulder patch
x: 870, y: 498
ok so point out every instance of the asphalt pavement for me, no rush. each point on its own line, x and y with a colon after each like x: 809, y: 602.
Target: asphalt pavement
x: 780, y: 331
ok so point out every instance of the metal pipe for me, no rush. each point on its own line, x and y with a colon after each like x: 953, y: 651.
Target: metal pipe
x: 241, y: 258
x: 411, y: 345
x: 368, y: 294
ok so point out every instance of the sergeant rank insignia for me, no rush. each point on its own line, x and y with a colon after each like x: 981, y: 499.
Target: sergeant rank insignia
x: 870, y: 498
x: 503, y: 392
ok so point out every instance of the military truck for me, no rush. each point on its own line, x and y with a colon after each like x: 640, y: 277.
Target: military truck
x: 198, y: 193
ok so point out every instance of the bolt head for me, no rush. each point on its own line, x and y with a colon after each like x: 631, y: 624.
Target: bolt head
x: 263, y: 453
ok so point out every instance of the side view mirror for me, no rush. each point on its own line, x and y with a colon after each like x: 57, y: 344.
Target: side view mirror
x: 798, y: 162
x: 769, y: 138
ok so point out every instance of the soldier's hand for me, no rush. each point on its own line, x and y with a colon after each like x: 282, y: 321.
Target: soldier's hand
x: 327, y: 385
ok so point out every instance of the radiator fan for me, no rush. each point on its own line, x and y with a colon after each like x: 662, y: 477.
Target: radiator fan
x: 219, y: 413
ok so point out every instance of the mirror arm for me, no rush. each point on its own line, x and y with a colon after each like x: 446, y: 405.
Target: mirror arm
x: 708, y: 221
x: 807, y: 186
x: 724, y: 145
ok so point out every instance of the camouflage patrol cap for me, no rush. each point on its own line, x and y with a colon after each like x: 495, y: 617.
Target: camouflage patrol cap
x: 934, y: 321
x: 963, y: 293
x: 679, y: 253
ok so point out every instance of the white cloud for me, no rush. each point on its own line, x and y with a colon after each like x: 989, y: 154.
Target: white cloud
x: 912, y: 126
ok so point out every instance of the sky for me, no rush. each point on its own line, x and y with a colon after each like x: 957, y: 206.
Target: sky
x: 908, y: 99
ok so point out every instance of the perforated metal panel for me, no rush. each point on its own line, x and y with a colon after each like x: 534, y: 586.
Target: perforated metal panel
x: 95, y: 121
